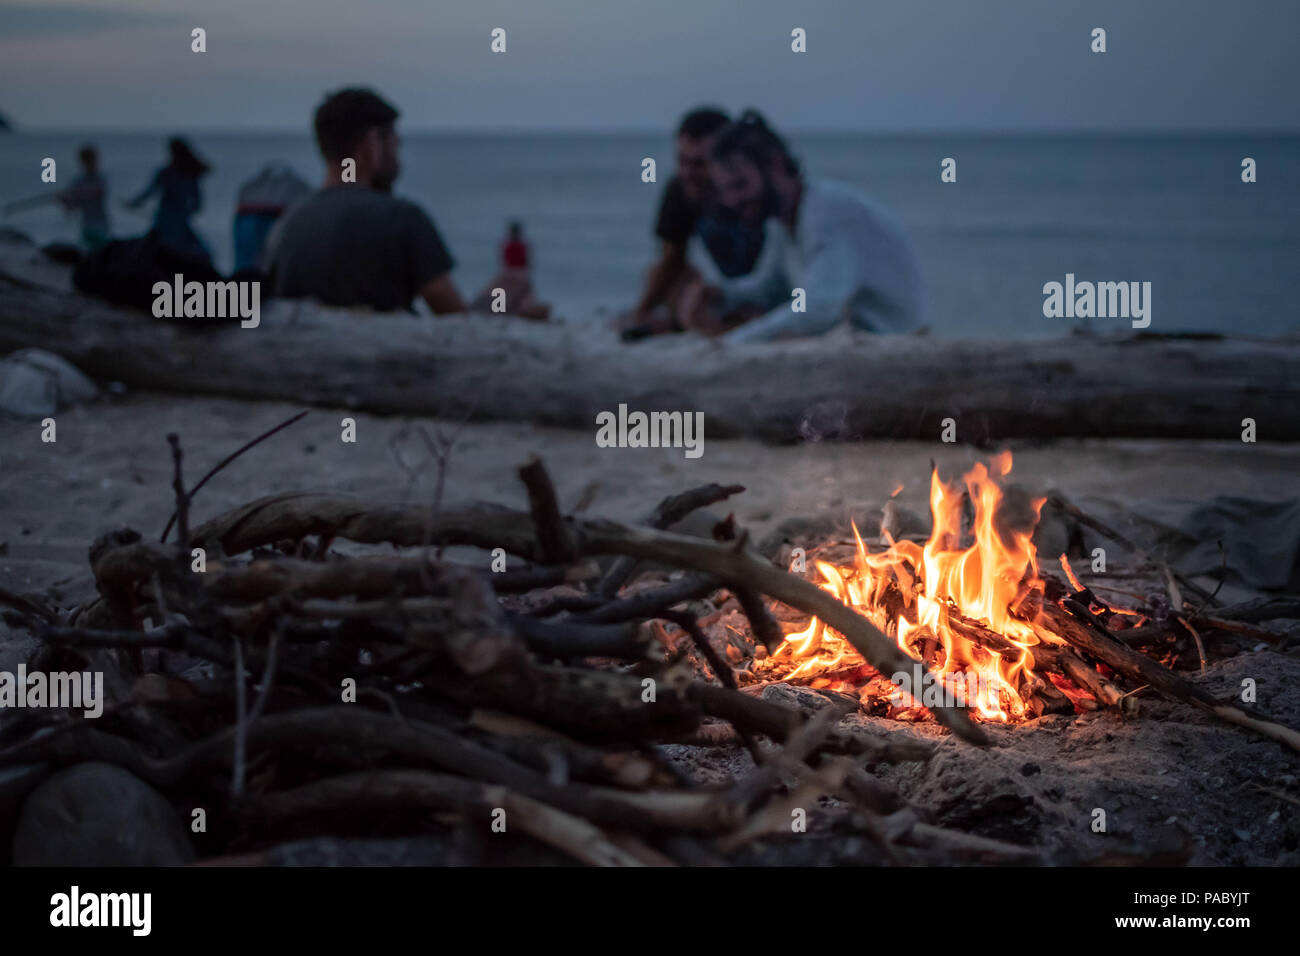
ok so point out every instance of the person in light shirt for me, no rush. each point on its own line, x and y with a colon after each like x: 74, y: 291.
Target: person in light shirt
x: 698, y: 241
x: 851, y: 257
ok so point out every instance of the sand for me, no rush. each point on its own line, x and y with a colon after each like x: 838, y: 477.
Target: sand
x: 110, y: 468
x: 1176, y: 786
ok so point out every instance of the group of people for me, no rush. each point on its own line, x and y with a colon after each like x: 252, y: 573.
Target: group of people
x: 175, y: 187
x: 349, y: 244
x: 750, y: 247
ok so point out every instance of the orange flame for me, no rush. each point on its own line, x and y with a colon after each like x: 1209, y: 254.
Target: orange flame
x: 1069, y: 573
x: 911, y: 591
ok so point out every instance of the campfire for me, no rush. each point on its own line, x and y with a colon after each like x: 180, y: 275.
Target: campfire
x: 913, y: 592
x: 996, y: 632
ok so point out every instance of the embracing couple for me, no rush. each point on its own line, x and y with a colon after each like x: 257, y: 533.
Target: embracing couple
x: 743, y: 230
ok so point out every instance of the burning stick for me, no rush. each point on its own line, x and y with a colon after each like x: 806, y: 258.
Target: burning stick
x: 739, y: 567
x: 1061, y: 660
x: 912, y: 590
x: 1076, y: 624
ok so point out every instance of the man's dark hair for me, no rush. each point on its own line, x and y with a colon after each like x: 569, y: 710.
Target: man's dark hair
x: 346, y: 116
x: 701, y: 122
x: 752, y: 138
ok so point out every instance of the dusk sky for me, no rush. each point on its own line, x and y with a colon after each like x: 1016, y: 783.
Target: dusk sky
x: 627, y: 64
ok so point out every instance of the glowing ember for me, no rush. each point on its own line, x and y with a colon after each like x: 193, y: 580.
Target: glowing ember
x: 913, y: 593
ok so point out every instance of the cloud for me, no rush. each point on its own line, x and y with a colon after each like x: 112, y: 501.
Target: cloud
x: 23, y: 21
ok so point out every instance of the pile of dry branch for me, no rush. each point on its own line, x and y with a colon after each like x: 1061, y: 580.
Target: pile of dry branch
x: 343, y: 678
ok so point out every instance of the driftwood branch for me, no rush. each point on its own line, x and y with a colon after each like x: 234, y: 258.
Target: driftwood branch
x: 1077, y: 625
x: 294, y: 516
x: 886, y: 386
x: 553, y: 543
x: 669, y: 511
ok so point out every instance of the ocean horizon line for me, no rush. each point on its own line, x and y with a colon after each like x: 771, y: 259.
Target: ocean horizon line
x: 1058, y: 133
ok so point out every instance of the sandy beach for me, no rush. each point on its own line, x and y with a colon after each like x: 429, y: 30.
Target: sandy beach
x: 111, y: 468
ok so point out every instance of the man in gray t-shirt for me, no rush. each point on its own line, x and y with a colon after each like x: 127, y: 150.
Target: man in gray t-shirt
x: 351, y: 243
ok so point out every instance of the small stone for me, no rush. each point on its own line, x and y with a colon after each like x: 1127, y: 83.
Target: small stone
x: 1030, y: 769
x: 35, y: 383
x: 97, y: 814
x: 15, y: 783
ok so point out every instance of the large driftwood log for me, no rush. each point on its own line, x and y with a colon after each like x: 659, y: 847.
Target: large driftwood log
x: 506, y: 369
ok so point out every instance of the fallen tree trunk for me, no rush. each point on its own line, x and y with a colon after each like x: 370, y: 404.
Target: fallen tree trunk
x: 555, y: 374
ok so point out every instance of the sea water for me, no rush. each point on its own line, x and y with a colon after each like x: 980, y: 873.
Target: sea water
x: 1025, y: 210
